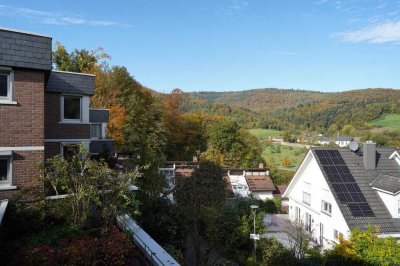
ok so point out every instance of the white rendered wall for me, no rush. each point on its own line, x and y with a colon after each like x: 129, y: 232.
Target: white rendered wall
x: 263, y: 195
x: 311, y: 173
x: 391, y: 202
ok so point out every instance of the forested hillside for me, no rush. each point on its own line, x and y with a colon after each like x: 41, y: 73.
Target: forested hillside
x: 297, y: 109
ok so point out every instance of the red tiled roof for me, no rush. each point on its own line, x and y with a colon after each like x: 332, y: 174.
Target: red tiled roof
x: 260, y: 183
x: 279, y: 190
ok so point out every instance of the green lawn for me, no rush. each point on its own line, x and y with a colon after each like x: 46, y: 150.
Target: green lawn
x: 265, y: 133
x: 277, y: 151
x: 390, y: 121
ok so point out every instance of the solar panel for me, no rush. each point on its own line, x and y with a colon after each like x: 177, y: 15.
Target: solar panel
x: 343, y: 183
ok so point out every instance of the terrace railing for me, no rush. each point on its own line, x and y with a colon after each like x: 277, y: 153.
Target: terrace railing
x: 150, y: 248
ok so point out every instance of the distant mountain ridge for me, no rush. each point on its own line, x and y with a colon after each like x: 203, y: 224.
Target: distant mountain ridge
x: 272, y: 99
x: 289, y: 108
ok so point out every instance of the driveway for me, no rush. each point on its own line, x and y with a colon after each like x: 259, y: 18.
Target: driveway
x: 279, y: 226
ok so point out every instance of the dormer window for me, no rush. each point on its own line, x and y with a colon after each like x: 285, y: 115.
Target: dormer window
x: 6, y: 81
x: 71, y: 108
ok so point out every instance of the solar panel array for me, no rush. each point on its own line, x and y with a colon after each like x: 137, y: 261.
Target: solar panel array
x: 343, y: 183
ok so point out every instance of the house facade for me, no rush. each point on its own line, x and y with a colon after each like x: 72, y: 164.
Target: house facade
x: 249, y: 182
x: 336, y: 190
x: 41, y: 111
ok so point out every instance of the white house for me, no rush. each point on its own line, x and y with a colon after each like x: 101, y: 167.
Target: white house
x: 336, y: 190
x: 253, y: 181
x: 339, y: 141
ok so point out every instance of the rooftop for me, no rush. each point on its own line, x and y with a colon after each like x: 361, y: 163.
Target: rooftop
x: 25, y: 50
x: 70, y: 82
x: 362, y: 179
x: 260, y: 183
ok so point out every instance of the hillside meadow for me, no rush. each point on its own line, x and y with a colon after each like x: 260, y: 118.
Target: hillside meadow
x: 389, y: 121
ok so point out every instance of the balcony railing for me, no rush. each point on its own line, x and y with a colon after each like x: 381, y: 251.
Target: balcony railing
x: 101, y: 145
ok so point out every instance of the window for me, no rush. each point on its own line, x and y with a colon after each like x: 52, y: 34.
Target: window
x: 71, y: 108
x: 307, y: 198
x: 95, y: 131
x: 297, y: 215
x: 5, y: 171
x: 336, y: 234
x: 308, y: 222
x: 326, y: 207
x: 321, y: 234
x: 6, y: 78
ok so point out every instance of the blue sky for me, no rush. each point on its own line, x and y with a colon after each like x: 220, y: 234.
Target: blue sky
x: 220, y: 45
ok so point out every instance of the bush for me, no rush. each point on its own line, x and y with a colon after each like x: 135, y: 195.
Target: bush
x: 268, y: 206
x: 109, y: 247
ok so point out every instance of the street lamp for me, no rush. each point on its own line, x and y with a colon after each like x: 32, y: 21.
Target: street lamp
x: 254, y: 235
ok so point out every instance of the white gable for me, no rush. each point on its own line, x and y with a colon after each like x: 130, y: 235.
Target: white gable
x: 307, y: 193
x: 395, y: 155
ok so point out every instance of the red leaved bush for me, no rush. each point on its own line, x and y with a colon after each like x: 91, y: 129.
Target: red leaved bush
x: 110, y: 247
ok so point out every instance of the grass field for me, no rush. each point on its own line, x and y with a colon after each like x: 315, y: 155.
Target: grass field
x: 389, y: 121
x: 265, y: 133
x: 277, y: 151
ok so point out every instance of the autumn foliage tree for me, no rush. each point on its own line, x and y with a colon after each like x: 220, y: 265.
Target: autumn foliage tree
x: 185, y: 131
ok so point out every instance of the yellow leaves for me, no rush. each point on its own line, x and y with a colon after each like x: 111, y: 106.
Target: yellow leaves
x: 213, y: 155
x: 286, y: 162
x: 116, y: 122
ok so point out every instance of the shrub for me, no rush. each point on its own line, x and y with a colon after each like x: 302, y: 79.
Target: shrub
x: 109, y: 247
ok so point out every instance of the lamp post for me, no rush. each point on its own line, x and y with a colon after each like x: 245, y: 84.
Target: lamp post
x: 254, y: 235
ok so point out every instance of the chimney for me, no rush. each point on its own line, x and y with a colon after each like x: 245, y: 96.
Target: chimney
x: 260, y: 165
x: 369, y: 155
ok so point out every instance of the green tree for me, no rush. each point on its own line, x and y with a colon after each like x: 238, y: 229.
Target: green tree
x: 238, y: 147
x: 368, y: 248
x: 85, y: 182
x: 82, y: 61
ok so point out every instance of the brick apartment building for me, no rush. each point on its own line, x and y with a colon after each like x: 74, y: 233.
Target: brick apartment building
x: 42, y: 112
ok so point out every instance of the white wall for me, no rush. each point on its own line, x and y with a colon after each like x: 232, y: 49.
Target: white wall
x: 263, y: 195
x: 391, y: 202
x: 342, y: 143
x: 311, y: 173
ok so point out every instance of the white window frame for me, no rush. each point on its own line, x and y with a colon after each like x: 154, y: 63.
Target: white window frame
x: 304, y: 198
x: 329, y: 207
x: 101, y: 130
x: 10, y: 81
x: 62, y: 109
x: 7, y: 183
